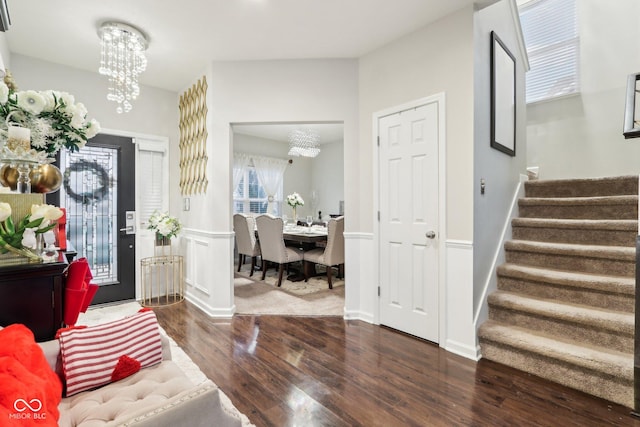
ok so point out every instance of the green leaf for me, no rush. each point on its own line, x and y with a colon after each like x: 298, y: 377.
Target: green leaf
x: 11, y: 229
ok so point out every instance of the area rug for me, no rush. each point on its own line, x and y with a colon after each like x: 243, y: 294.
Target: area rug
x: 108, y: 313
x: 253, y: 296
x: 314, y: 284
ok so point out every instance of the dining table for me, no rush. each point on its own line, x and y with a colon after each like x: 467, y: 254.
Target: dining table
x: 306, y: 238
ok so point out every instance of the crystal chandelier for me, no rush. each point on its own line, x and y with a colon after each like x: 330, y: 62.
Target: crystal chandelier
x: 304, y: 143
x: 121, y: 60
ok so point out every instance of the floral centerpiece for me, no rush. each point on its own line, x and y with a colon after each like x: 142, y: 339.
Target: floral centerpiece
x: 54, y: 118
x: 294, y: 200
x: 21, y: 238
x: 165, y: 225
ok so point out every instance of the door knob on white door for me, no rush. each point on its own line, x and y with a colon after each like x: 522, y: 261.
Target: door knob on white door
x: 430, y: 234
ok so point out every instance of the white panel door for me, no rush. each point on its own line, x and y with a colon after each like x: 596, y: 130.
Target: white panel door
x: 408, y: 169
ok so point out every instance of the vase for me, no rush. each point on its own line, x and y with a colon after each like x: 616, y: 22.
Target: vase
x: 295, y: 216
x: 162, y: 240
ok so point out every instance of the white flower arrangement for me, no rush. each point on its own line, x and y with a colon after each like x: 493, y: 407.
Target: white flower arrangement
x: 54, y: 118
x: 294, y: 200
x: 164, y: 224
x: 20, y: 238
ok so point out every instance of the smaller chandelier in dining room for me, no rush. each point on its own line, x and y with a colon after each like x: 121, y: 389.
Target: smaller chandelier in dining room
x: 122, y: 59
x: 304, y: 143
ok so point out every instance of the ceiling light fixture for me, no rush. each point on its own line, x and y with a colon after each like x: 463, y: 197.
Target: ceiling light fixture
x: 121, y: 60
x: 304, y: 143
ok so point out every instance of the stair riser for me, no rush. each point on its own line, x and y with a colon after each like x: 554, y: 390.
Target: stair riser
x: 613, y: 267
x: 611, y: 339
x: 575, y: 236
x: 588, y: 188
x: 569, y: 294
x: 626, y: 211
x: 618, y: 390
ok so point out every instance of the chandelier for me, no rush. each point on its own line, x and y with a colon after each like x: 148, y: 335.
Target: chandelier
x: 121, y: 60
x: 304, y: 143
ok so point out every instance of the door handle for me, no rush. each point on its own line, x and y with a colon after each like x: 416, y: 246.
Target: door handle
x: 128, y: 229
x: 430, y: 234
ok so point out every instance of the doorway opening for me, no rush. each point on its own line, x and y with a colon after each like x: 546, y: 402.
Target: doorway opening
x: 318, y: 180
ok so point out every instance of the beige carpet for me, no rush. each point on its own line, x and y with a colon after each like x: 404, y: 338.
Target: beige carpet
x: 564, y: 307
x: 313, y: 298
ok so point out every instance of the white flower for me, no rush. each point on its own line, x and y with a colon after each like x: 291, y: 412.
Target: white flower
x: 5, y: 211
x: 49, y: 100
x: 67, y: 98
x: 79, y: 114
x: 29, y: 238
x: 92, y: 128
x: 294, y: 200
x: 30, y: 101
x: 4, y: 93
x: 48, y: 212
x: 164, y: 224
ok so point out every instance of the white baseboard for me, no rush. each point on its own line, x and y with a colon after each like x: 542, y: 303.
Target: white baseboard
x: 463, y: 350
x: 224, y: 313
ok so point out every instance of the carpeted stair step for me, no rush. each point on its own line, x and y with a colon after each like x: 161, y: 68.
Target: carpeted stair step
x: 613, y: 207
x: 578, y: 323
x: 576, y: 231
x: 608, y: 292
x: 609, y: 260
x: 601, y: 372
x: 590, y: 187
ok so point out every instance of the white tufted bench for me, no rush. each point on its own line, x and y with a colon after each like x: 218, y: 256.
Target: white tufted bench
x: 157, y: 396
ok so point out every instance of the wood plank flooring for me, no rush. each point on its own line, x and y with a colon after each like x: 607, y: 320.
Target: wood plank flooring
x: 325, y: 371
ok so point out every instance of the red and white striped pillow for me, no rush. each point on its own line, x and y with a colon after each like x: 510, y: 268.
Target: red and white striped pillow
x: 90, y: 355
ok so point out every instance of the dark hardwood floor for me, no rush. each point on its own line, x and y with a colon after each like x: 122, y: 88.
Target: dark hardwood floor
x: 325, y: 371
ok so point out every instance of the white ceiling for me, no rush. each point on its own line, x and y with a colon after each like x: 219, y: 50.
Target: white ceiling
x: 185, y: 35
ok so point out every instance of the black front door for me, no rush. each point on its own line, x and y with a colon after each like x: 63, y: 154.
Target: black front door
x: 98, y: 193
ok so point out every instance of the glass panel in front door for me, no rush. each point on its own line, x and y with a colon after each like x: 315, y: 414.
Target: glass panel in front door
x: 88, y: 194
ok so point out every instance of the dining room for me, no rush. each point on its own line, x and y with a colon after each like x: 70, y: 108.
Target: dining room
x: 295, y: 173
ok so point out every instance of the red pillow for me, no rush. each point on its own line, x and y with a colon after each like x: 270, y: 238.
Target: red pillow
x: 90, y: 355
x: 29, y: 389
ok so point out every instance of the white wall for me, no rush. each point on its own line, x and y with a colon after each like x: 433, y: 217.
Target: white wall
x: 581, y: 136
x: 438, y: 58
x: 501, y: 172
x: 155, y: 112
x: 327, y: 177
x: 261, y: 92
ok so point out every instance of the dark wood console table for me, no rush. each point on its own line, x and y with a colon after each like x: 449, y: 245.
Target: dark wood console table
x: 32, y: 294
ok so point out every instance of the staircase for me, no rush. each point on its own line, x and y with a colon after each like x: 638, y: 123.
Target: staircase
x: 564, y: 308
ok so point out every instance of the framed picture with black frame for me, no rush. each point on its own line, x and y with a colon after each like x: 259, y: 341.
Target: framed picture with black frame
x: 503, y: 97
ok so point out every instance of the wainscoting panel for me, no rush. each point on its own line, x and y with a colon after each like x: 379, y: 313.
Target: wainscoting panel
x: 360, y: 290
x: 209, y: 271
x: 460, y: 333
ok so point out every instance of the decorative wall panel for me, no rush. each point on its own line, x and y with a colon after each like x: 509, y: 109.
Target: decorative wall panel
x: 193, y: 139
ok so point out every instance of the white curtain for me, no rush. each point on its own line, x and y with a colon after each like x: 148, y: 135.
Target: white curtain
x: 240, y: 163
x: 270, y: 173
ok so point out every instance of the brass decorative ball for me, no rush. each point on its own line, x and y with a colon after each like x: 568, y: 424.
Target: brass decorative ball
x: 44, y: 179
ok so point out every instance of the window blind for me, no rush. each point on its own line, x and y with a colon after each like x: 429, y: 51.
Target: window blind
x: 550, y: 29
x: 151, y: 174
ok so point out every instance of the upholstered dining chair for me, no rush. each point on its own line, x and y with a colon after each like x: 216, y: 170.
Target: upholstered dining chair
x: 244, y: 227
x: 333, y: 254
x: 272, y: 245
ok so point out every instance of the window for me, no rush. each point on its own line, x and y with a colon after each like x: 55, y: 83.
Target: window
x: 250, y: 197
x: 550, y: 29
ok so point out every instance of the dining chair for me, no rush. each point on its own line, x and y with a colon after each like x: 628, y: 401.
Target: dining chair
x: 244, y: 227
x: 272, y: 245
x: 333, y: 254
